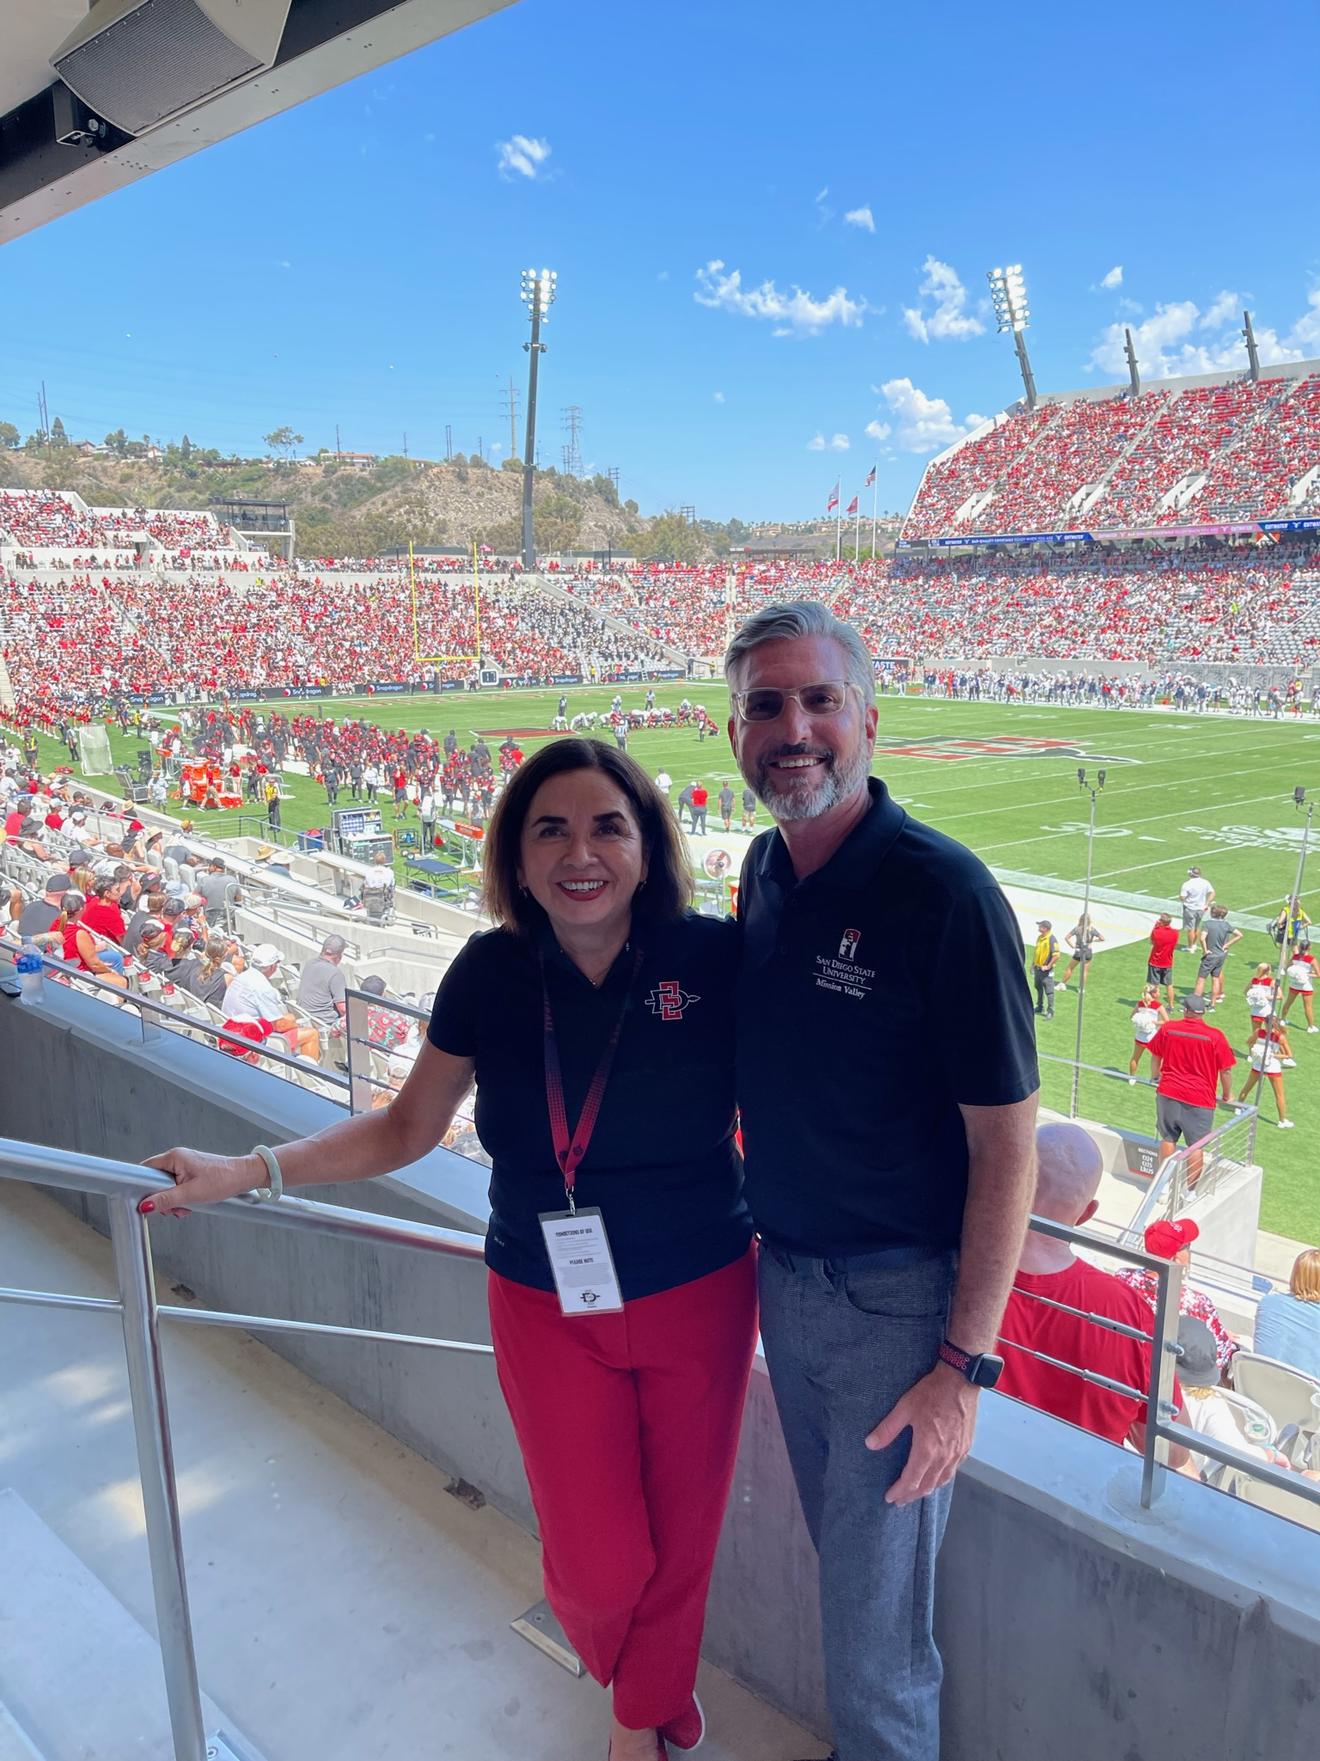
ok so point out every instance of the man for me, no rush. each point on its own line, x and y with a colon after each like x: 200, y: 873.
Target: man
x: 255, y: 1010
x: 273, y: 803
x: 1171, y: 1239
x: 664, y: 782
x: 38, y: 916
x: 1217, y: 937
x: 1068, y: 1169
x: 697, y: 807
x: 426, y: 813
x: 1197, y: 896
x: 219, y: 889
x: 726, y: 806
x: 685, y: 802
x: 322, y: 988
x: 887, y: 1199
x: 749, y: 810
x: 1188, y: 1058
x: 1163, y: 947
x: 1044, y: 957
x: 330, y: 777
x: 378, y: 887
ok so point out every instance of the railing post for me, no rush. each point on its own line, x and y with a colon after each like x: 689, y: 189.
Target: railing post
x: 160, y: 1498
x: 360, y: 1086
x: 1163, y: 1369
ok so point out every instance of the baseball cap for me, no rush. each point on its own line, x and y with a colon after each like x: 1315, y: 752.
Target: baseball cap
x: 1044, y: 923
x: 1198, y: 1361
x: 59, y: 883
x: 1167, y: 1238
x: 264, y: 954
x: 1193, y: 871
x: 1197, y: 1005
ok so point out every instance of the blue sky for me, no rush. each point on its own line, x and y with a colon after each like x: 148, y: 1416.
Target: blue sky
x: 771, y: 226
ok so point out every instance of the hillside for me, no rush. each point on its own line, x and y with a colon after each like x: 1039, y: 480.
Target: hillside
x: 346, y: 512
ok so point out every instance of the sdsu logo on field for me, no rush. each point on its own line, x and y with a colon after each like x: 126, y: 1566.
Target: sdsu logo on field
x: 668, y: 1000
x: 1003, y: 746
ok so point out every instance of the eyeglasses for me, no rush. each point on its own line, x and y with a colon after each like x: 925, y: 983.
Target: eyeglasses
x: 765, y: 703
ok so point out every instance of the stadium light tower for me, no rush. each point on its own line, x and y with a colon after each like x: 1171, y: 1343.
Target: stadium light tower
x: 1009, y: 292
x: 538, y: 295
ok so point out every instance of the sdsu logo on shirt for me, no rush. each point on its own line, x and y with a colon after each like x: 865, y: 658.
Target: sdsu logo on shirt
x: 668, y: 1000
x: 848, y: 944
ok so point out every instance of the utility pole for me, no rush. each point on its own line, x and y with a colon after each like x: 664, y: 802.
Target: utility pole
x: 481, y: 449
x: 449, y: 441
x: 511, y: 410
x: 572, y: 451
x: 405, y: 443
x: 688, y: 514
x: 537, y: 294
x: 613, y: 475
x: 338, y: 448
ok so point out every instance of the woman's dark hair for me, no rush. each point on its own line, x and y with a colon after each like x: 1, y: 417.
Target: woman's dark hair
x: 667, y: 889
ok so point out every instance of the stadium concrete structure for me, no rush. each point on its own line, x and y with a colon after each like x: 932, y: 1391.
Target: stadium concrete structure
x: 344, y: 1604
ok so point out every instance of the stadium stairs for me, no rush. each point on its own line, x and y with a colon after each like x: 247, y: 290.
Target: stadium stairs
x: 551, y: 588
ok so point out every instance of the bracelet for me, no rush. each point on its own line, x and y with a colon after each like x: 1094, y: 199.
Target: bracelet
x: 276, y: 1188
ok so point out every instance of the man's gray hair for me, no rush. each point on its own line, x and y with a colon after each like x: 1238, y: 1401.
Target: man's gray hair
x: 333, y: 945
x: 804, y: 617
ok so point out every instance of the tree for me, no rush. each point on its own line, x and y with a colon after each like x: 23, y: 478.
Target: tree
x: 57, y: 435
x: 185, y: 448
x: 9, y: 436
x: 630, y: 507
x: 283, y: 441
x: 512, y: 463
x: 117, y: 442
x: 35, y: 442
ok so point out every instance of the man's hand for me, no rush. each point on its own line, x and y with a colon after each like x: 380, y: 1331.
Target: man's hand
x: 940, y: 1409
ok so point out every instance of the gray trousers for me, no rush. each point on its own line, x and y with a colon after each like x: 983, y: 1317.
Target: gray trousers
x: 843, y: 1340
x: 1043, y: 979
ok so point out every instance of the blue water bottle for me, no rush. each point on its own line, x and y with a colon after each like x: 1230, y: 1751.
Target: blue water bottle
x: 31, y: 974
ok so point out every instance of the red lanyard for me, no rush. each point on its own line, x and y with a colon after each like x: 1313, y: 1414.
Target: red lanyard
x: 569, y: 1151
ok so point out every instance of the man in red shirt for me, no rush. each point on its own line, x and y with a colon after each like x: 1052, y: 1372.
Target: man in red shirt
x: 1163, y: 947
x: 700, y: 796
x: 1068, y: 1169
x: 1188, y: 1060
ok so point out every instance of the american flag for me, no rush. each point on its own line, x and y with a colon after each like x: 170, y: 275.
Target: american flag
x: 833, y: 502
x: 870, y: 478
x: 852, y: 505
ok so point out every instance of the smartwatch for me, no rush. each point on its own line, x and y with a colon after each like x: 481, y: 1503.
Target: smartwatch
x: 982, y: 1370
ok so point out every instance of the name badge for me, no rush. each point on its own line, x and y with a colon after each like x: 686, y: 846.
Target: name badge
x: 581, y: 1262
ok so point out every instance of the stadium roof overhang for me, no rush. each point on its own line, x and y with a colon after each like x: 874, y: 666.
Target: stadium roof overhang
x: 323, y: 44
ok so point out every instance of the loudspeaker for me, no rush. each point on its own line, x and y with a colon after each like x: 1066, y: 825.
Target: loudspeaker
x: 139, y: 62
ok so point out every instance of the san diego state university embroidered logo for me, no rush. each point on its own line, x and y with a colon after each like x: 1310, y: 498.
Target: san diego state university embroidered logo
x: 841, y: 972
x: 668, y: 1000
x: 848, y: 944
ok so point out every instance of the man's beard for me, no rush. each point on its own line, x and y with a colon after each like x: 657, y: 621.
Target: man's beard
x: 804, y: 800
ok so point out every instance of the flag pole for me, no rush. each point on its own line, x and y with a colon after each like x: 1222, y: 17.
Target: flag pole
x: 838, y: 524
x: 857, y: 534
x: 875, y: 496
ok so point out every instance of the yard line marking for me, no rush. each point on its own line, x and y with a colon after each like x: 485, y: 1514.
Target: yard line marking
x: 1048, y: 837
x: 1072, y: 794
x: 1215, y: 849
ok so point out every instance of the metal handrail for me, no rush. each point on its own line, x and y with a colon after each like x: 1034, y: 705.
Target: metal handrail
x: 123, y: 1185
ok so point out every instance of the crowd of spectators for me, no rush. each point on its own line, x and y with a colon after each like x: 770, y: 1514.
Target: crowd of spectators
x: 1239, y: 450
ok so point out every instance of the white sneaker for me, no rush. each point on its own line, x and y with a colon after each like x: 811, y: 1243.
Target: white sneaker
x: 1132, y: 1082
x: 1286, y: 1124
x: 1060, y: 987
x: 1313, y: 1030
x: 1288, y: 1063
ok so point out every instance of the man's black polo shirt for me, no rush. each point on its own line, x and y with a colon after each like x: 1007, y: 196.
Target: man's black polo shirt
x: 662, y: 1164
x: 875, y: 995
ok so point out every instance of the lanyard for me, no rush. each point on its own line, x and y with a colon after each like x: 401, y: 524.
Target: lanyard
x: 570, y: 1150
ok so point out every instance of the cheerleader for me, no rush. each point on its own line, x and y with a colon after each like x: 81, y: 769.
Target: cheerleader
x: 1147, y: 1019
x: 1267, y: 1055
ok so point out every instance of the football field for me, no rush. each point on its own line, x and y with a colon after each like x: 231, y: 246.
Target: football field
x: 1179, y: 789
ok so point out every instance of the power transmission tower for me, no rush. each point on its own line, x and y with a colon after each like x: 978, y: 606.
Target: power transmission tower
x: 688, y: 514
x: 510, y: 397
x: 613, y: 475
x: 572, y: 450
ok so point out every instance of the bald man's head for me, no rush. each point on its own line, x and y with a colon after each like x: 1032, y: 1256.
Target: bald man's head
x: 1068, y: 1170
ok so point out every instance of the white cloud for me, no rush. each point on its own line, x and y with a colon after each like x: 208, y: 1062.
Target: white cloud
x: 922, y: 423
x: 862, y: 217
x: 816, y: 443
x: 718, y: 396
x: 793, y: 311
x: 522, y: 156
x: 839, y: 443
x: 1181, y: 338
x: 948, y: 320
x: 1114, y: 278
x: 879, y: 430
x: 836, y: 443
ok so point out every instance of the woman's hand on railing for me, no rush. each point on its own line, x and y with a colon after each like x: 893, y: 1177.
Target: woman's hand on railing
x: 201, y: 1179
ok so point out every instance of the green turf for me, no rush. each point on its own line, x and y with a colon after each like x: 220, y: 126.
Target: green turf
x: 1180, y: 789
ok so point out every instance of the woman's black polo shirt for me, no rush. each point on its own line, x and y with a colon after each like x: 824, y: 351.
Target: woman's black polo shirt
x: 662, y: 1164
x: 875, y: 996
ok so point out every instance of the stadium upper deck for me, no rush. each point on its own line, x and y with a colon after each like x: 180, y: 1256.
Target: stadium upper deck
x: 1185, y: 454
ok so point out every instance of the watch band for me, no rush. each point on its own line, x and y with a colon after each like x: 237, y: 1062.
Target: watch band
x: 275, y: 1189
x: 956, y: 1359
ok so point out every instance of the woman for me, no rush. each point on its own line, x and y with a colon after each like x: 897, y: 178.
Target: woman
x: 1205, y: 1408
x: 1260, y: 997
x: 1301, y: 983
x: 597, y: 1020
x: 83, y: 948
x: 1147, y: 1019
x: 1288, y: 1321
x: 1081, y: 938
x: 1267, y: 1054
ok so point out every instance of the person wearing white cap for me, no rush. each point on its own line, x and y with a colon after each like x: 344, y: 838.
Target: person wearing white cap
x: 255, y: 1009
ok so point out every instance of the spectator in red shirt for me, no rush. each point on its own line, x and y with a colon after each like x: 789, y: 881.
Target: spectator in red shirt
x: 1188, y: 1060
x: 700, y: 797
x: 101, y: 912
x: 1163, y: 947
x: 1068, y: 1169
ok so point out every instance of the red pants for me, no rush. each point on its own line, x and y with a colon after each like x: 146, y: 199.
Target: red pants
x: 629, y: 1426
